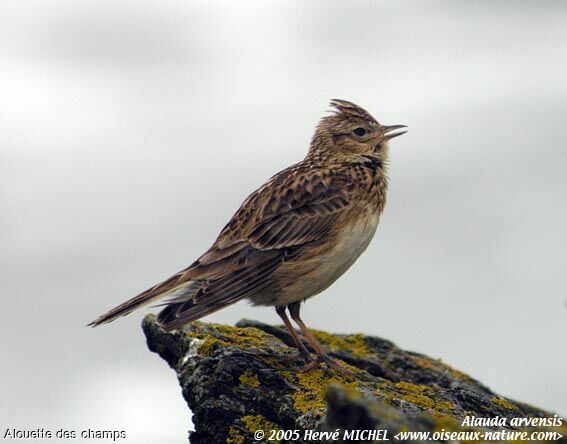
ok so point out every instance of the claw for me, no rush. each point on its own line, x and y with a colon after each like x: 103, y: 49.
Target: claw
x: 331, y: 363
x: 286, y: 357
x: 309, y: 366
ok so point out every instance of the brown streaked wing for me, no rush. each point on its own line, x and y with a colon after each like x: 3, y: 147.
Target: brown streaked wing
x: 301, y: 225
x: 297, y: 208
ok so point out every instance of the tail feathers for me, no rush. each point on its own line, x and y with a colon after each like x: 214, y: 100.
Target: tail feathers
x: 122, y: 310
x: 178, y: 314
x: 216, y: 294
x: 180, y: 292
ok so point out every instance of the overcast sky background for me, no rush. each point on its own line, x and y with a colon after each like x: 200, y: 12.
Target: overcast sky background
x: 131, y: 131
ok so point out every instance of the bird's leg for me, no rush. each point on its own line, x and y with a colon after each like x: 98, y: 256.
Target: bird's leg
x: 303, y: 352
x: 321, y: 353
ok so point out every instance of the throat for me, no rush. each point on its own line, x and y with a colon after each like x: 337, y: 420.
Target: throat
x: 372, y: 161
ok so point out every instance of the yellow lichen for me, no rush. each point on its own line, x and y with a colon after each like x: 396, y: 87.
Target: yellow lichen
x: 259, y: 422
x: 354, y: 344
x: 440, y: 365
x: 411, y: 387
x: 422, y: 362
x: 314, y: 386
x: 250, y: 379
x: 443, y: 421
x: 208, y: 345
x: 457, y: 373
x: 503, y: 403
x: 420, y: 395
x: 228, y: 336
x: 243, y: 336
x: 234, y: 437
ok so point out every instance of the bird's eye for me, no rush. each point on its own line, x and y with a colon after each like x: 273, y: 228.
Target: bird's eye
x: 359, y: 131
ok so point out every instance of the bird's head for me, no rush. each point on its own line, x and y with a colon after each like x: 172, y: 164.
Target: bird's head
x: 352, y: 131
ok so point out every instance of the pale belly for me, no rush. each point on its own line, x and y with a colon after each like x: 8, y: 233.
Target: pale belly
x: 321, y: 271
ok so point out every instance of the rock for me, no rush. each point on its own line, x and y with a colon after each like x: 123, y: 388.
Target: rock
x: 236, y: 382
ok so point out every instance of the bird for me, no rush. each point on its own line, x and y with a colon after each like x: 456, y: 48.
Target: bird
x: 293, y: 237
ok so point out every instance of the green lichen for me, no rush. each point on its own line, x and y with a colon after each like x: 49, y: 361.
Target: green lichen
x: 355, y: 344
x: 250, y: 379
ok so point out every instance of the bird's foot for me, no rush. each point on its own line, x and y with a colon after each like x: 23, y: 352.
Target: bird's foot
x: 309, y: 366
x: 331, y: 363
x: 287, y: 357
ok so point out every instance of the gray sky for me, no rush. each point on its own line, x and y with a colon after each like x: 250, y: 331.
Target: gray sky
x: 130, y: 132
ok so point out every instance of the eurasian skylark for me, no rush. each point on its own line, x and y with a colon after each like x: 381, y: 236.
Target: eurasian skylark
x: 294, y: 236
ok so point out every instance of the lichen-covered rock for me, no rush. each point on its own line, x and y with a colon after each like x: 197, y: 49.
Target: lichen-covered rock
x: 236, y: 382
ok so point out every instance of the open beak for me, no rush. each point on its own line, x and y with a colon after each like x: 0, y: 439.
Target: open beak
x: 388, y: 134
